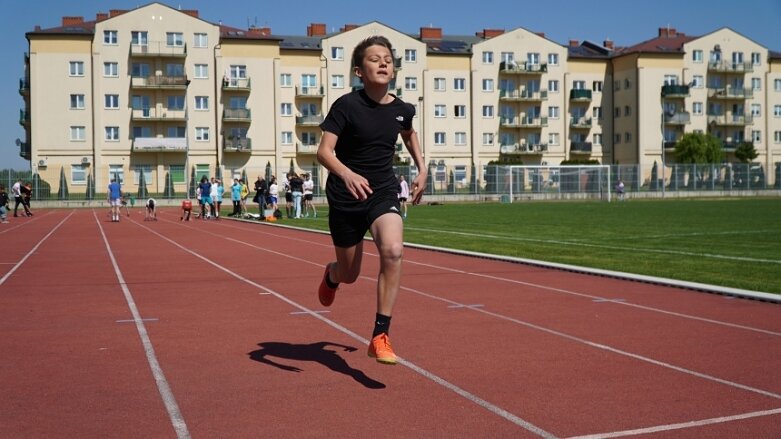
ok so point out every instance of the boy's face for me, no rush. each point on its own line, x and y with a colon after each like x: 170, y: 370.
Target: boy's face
x: 377, y: 66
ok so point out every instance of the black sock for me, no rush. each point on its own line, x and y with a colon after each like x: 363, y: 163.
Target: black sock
x: 381, y: 325
x: 331, y: 285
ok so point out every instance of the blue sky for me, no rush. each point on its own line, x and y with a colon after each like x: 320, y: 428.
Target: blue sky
x: 626, y: 22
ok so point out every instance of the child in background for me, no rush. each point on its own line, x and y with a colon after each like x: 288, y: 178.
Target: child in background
x: 3, y: 205
x: 151, y: 210
x: 187, y: 210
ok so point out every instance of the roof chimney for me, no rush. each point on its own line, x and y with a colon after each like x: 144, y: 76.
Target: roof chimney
x: 259, y: 31
x: 114, y: 12
x: 489, y: 33
x: 191, y: 12
x: 430, y: 33
x: 540, y: 34
x: 348, y: 27
x: 100, y: 16
x: 667, y: 32
x: 72, y: 21
x: 315, y: 30
x: 574, y: 43
x: 608, y: 44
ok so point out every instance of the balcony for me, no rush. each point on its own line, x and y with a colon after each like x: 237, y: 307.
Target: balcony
x: 160, y: 82
x: 580, y: 95
x: 669, y: 145
x: 310, y: 92
x: 231, y: 144
x: 24, y: 86
x: 237, y: 115
x: 523, y: 95
x: 24, y: 118
x: 677, y: 118
x: 524, y: 148
x: 675, y: 91
x: 24, y: 150
x: 580, y: 147
x: 731, y: 93
x: 580, y: 122
x: 522, y: 68
x: 309, y: 121
x: 533, y: 122
x: 237, y: 85
x: 158, y: 49
x: 730, y: 67
x: 159, y: 144
x: 731, y: 120
x: 302, y: 148
x: 158, y: 115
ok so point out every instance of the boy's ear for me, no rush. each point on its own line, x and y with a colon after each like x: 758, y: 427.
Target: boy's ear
x: 357, y: 71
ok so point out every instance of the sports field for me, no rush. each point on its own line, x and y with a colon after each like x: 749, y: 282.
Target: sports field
x: 732, y: 242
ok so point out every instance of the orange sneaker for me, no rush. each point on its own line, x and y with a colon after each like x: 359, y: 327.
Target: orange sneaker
x: 380, y: 349
x: 325, y: 293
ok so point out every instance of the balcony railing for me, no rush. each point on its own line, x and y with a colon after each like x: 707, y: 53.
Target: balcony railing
x: 675, y: 91
x: 677, y: 118
x: 236, y: 84
x: 670, y: 144
x: 159, y: 144
x: 159, y: 81
x: 730, y: 67
x: 523, y: 95
x: 731, y: 119
x: 24, y: 150
x: 310, y: 92
x: 311, y: 120
x: 522, y: 68
x: 730, y: 93
x: 231, y: 144
x: 236, y: 115
x: 306, y: 148
x: 158, y: 114
x: 24, y: 117
x: 580, y: 95
x: 524, y: 148
x: 534, y: 122
x: 158, y: 49
x: 580, y: 147
x: 580, y: 122
x: 24, y: 86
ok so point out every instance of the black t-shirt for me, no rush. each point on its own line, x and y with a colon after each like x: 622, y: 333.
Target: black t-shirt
x: 296, y: 184
x: 367, y: 132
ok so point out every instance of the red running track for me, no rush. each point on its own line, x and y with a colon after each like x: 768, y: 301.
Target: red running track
x: 213, y: 329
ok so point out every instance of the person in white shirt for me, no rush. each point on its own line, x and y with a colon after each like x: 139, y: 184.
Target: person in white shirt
x: 403, y: 195
x: 309, y: 187
x: 273, y: 194
x: 16, y: 191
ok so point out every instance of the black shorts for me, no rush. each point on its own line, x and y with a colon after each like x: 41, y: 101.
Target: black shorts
x: 349, y: 227
x: 289, y: 197
x: 307, y: 197
x: 150, y: 204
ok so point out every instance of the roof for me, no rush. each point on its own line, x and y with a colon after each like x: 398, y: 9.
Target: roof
x: 667, y: 42
x: 587, y: 49
x: 451, y: 44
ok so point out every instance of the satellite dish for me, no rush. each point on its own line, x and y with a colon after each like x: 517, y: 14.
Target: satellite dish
x: 18, y: 142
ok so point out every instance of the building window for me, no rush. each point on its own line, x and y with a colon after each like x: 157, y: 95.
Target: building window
x: 617, y: 139
x: 142, y: 169
x: 553, y: 138
x: 337, y: 53
x: 777, y: 111
x: 553, y: 86
x: 532, y: 59
x: 597, y: 139
x: 698, y: 81
x: 459, y: 84
x: 439, y: 84
x: 77, y: 102
x: 202, y: 133
x: 553, y: 59
x: 76, y: 68
x: 112, y: 134
x: 627, y: 110
x: 116, y: 172
x: 617, y: 85
x: 756, y: 58
x: 777, y: 136
x: 200, y: 40
x: 459, y: 111
x: 112, y: 102
x: 617, y: 112
x: 439, y: 138
x: 756, y: 110
x: 174, y: 39
x: 596, y: 86
x: 553, y: 112
x: 697, y: 108
x: 79, y: 174
x: 627, y: 137
x: 777, y: 84
x: 627, y: 83
x: 756, y: 83
x: 176, y: 132
x: 139, y: 38
x: 176, y: 103
x: 286, y: 109
x: 439, y: 111
x: 596, y: 113
x: 578, y: 85
x: 337, y: 81
x: 287, y: 138
x: 488, y: 57
x: 488, y: 111
x: 410, y: 83
x: 308, y: 138
x: 285, y: 80
x: 488, y: 139
x: 756, y: 136
x: 201, y: 102
x: 308, y: 81
x: 410, y: 55
x: 110, y: 69
x: 460, y: 138
x: 110, y: 37
x: 459, y: 173
x: 201, y: 71
x: 697, y: 56
x: 78, y: 133
x: 488, y: 85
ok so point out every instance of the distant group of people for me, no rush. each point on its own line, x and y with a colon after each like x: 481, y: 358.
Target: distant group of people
x: 299, y: 195
x: 117, y: 200
x: 22, y: 192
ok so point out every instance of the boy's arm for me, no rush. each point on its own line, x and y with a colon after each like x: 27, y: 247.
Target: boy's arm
x: 356, y: 184
x: 410, y: 138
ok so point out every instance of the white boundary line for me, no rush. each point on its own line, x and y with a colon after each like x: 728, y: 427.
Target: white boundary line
x: 177, y: 421
x: 442, y: 382
x: 19, y: 264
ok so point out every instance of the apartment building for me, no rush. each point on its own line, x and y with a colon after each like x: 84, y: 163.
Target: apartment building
x: 161, y: 94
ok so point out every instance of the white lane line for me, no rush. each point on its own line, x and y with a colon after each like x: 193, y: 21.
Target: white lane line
x: 19, y: 264
x: 175, y: 415
x: 423, y: 372
x: 682, y: 425
x: 15, y: 224
x: 133, y: 321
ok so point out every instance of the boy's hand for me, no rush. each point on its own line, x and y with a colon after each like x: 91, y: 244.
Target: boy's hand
x: 419, y: 186
x: 357, y: 185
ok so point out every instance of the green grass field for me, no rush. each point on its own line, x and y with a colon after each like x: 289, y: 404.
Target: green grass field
x: 732, y: 242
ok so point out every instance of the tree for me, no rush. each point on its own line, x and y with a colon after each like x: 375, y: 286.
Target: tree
x: 745, y: 152
x: 699, y: 148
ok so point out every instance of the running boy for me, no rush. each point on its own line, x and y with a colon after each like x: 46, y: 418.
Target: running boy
x: 357, y: 148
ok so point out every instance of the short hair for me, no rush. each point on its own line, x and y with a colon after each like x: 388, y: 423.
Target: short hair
x: 360, y: 49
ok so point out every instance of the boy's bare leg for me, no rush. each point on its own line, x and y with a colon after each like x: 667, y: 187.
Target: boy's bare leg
x: 388, y: 233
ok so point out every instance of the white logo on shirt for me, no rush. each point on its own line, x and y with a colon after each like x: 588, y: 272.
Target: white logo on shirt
x: 394, y: 209
x: 400, y: 118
